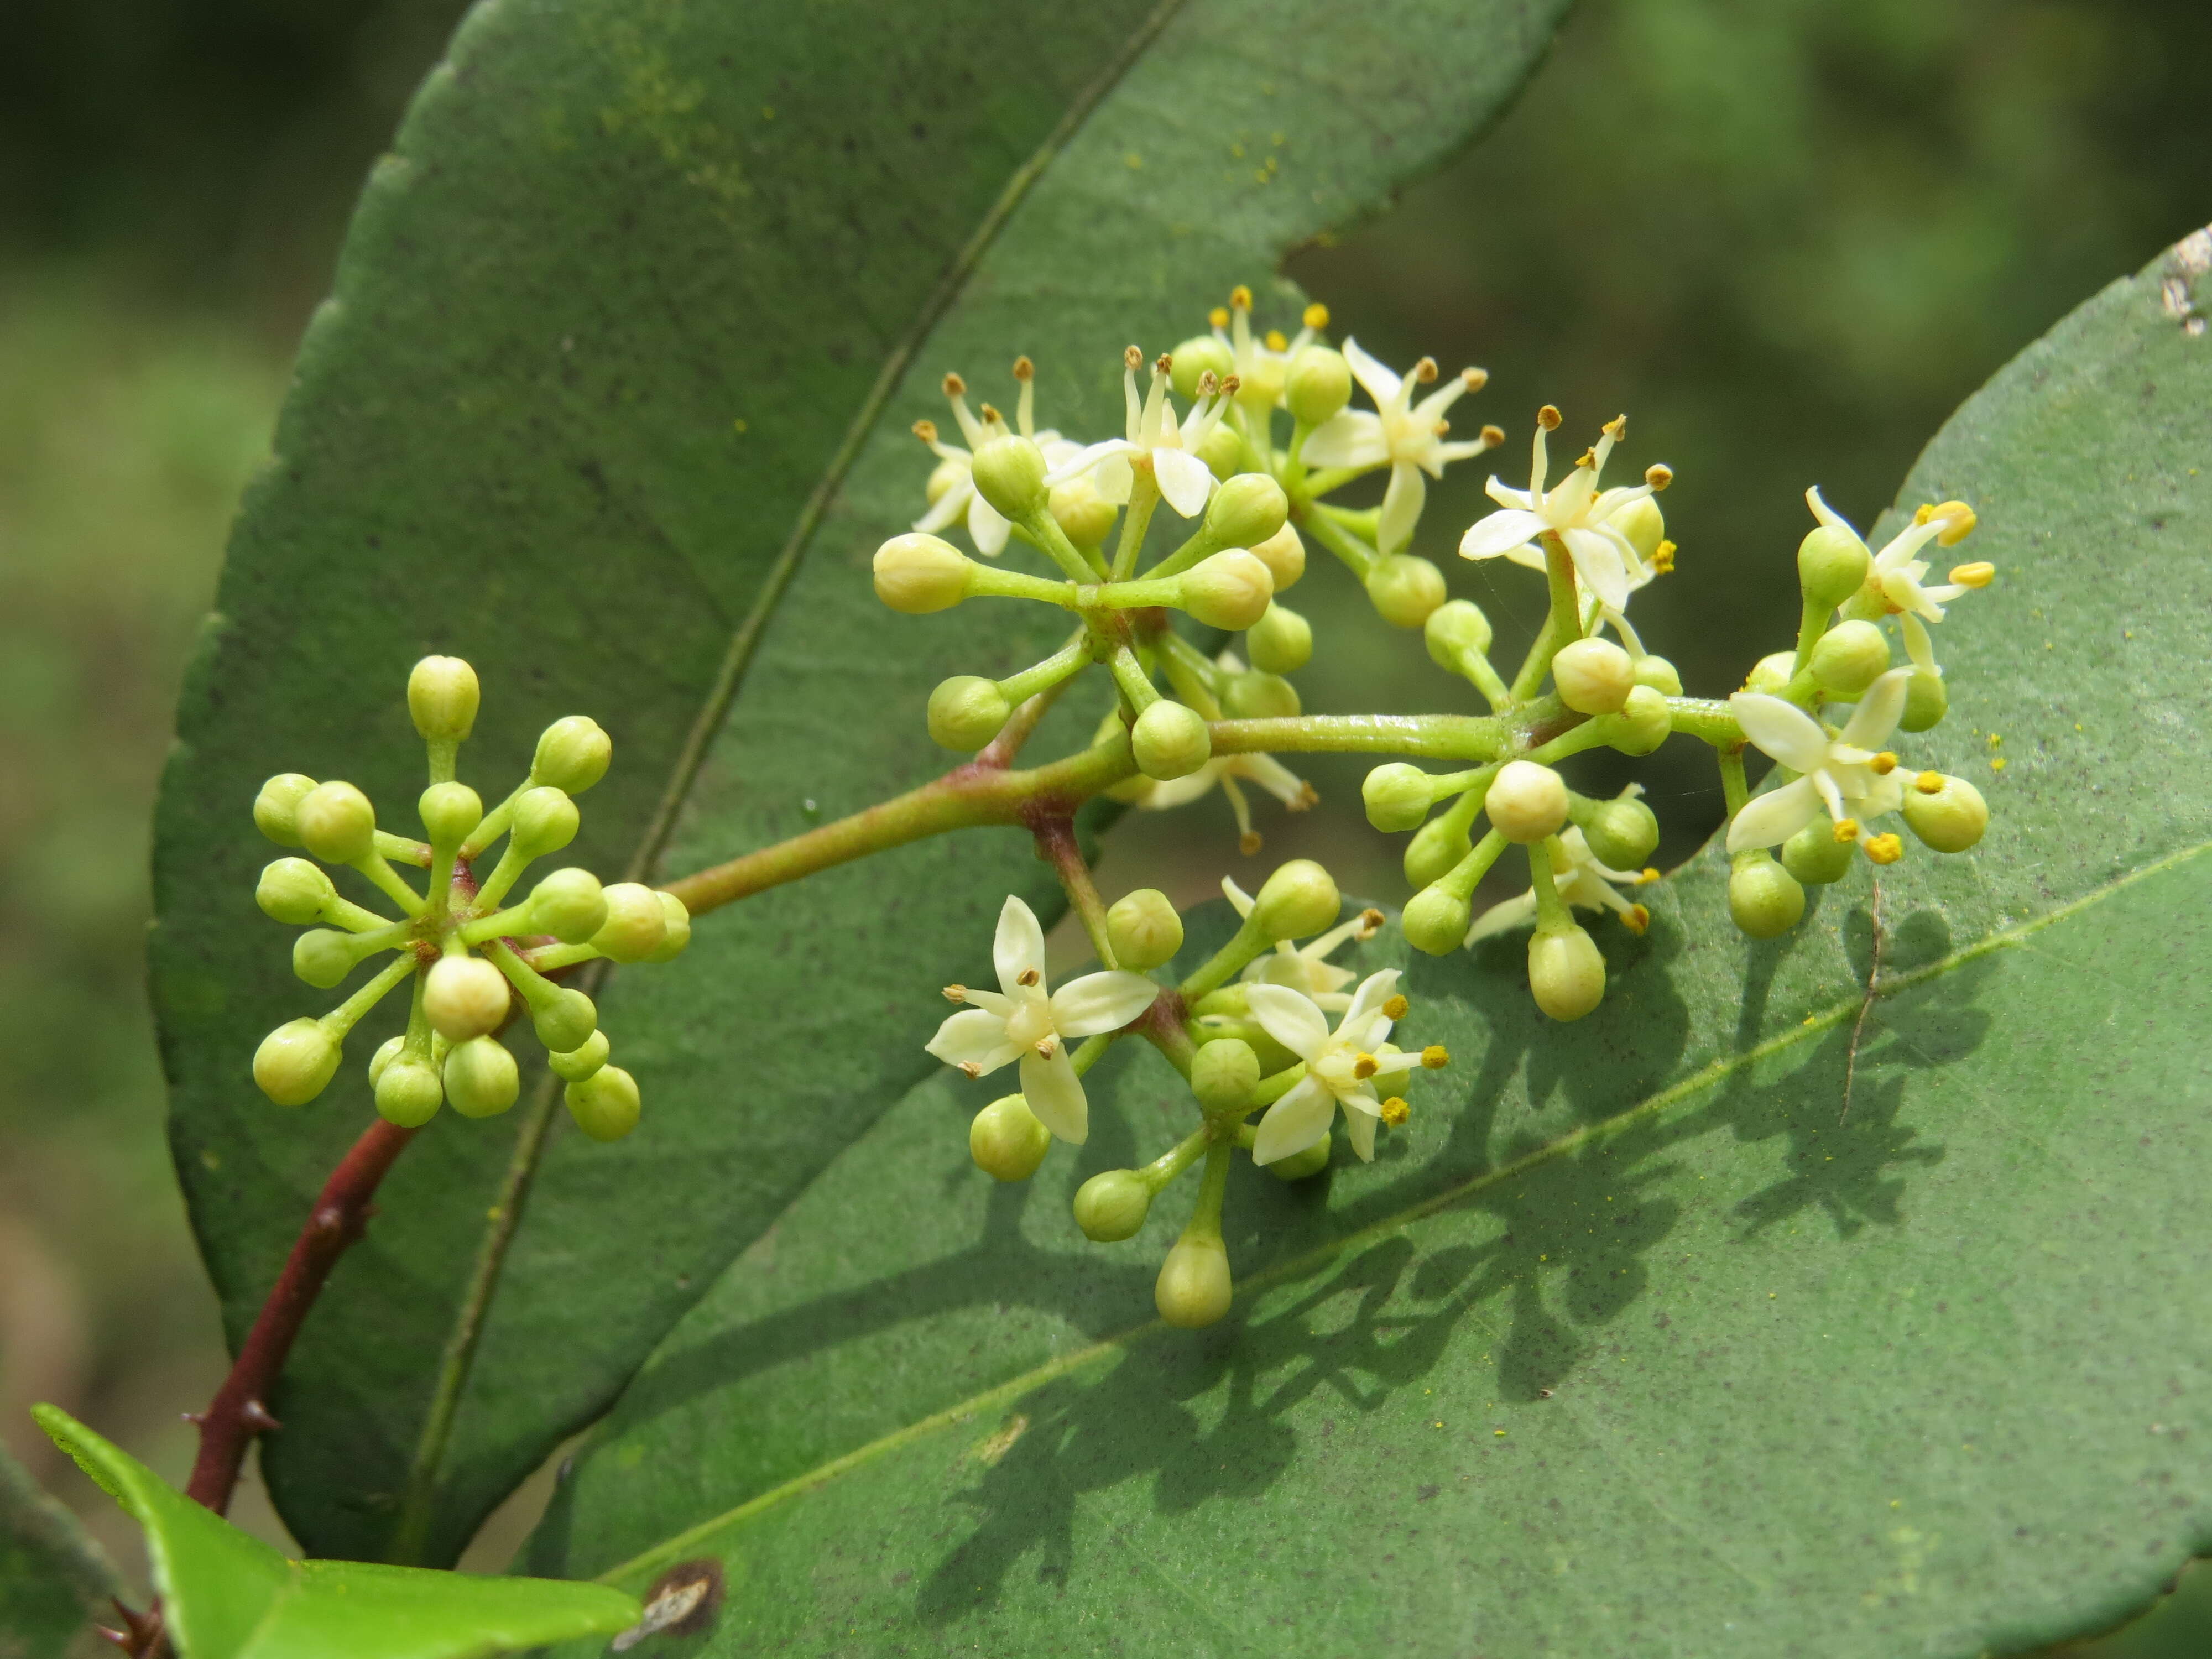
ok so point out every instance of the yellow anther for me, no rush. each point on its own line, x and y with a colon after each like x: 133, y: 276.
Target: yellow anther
x: 1662, y: 558
x: 956, y: 993
x: 1928, y: 783
x: 1616, y: 428
x: 1133, y: 357
x: 1209, y: 383
x: 1024, y: 369
x: 1493, y: 436
x: 1425, y: 370
x: 1219, y: 316
x: 1883, y: 764
x: 1163, y: 363
x: 1548, y: 417
x: 1924, y: 511
x: 1961, y: 524
x: 1885, y: 849
x: 1647, y: 875
x: 1365, y: 1066
x: 1249, y: 842
x: 1229, y: 386
x: 1315, y: 316
x: 1977, y: 574
x: 1240, y: 298
x: 1395, y: 1111
x: 1047, y: 1046
x: 1277, y: 341
x: 1588, y: 458
x: 1847, y: 829
x: 1395, y: 1008
x: 1474, y: 379
x: 1636, y: 918
x: 926, y: 430
x: 970, y: 1068
x: 1436, y: 1057
x: 1370, y: 923
x: 989, y: 414
x: 954, y: 386
x: 1658, y: 475
x: 1029, y: 976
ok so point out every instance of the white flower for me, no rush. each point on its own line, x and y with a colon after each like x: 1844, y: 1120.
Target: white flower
x: 1582, y: 880
x: 1339, y: 1066
x: 1153, y: 439
x: 1305, y: 968
x: 1260, y: 363
x: 1408, y: 435
x: 951, y: 488
x: 1895, y: 575
x: 1849, y: 774
x: 1265, y: 771
x: 1606, y: 561
x: 1022, y: 1020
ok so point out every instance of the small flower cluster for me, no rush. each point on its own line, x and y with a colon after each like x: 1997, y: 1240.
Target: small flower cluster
x: 476, y: 961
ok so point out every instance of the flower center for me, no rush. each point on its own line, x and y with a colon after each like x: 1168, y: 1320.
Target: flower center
x: 1030, y: 1022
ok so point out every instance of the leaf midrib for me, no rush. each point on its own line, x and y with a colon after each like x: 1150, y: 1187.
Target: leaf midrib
x: 688, y: 1541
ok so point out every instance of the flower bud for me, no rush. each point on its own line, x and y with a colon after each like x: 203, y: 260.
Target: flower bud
x: 1280, y: 642
x: 482, y: 1080
x: 1169, y: 741
x: 1112, y: 1206
x: 678, y: 933
x: 545, y: 821
x: 1397, y: 796
x: 409, y: 1092
x: 386, y: 1051
x: 1454, y: 629
x: 966, y: 712
x: 442, y: 696
x: 1527, y: 802
x: 1404, y: 590
x: 570, y: 904
x: 635, y: 923
x: 1192, y: 1289
x: 1260, y: 385
x: 1659, y: 675
x: 1815, y: 857
x: 1144, y: 930
x: 566, y: 1022
x: 1644, y: 723
x: 1951, y: 819
x: 1434, y: 920
x: 1300, y: 1165
x: 1765, y: 898
x: 1006, y: 1140
x: 1566, y: 972
x: 1284, y: 555
x: 276, y: 809
x: 1643, y: 523
x: 1084, y: 517
x: 1009, y: 473
x: 449, y: 812
x: 465, y: 997
x: 1193, y: 358
x: 1770, y: 676
x: 1223, y: 1073
x: 1849, y: 658
x: 336, y: 823
x: 1436, y: 847
x: 322, y: 958
x: 1222, y: 450
x: 1257, y: 696
x: 1594, y: 677
x: 294, y: 1062
x: 294, y: 891
x: 1250, y: 508
x: 1318, y: 384
x: 1926, y: 701
x: 1621, y: 833
x: 1832, y: 564
x: 1230, y: 590
x: 572, y: 754
x: 1299, y: 899
x: 581, y: 1061
x: 604, y: 1104
x: 917, y: 574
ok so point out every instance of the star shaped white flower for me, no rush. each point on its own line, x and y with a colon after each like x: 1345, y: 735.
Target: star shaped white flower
x: 1261, y: 362
x: 1339, y: 1066
x: 1154, y: 438
x: 1023, y: 1020
x: 1408, y: 435
x: 1582, y: 880
x: 952, y: 489
x: 1574, y: 511
x: 1305, y: 968
x: 1849, y: 774
x: 1897, y: 575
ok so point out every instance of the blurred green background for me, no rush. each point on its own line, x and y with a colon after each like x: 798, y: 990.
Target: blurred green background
x: 1787, y: 236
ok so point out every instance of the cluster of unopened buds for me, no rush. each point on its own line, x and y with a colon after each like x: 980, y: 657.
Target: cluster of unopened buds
x: 1250, y: 493
x: 476, y: 962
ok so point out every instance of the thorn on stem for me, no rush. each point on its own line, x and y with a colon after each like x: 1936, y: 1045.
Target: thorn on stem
x: 255, y: 1416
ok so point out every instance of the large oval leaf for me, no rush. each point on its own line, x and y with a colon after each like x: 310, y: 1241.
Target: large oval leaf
x: 612, y: 399
x: 1826, y: 1297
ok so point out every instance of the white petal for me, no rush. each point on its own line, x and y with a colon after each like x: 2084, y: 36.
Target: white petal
x: 1502, y: 917
x: 1055, y: 1095
x: 991, y: 1002
x: 1091, y: 457
x: 968, y: 1038
x: 987, y: 527
x: 1180, y: 792
x: 947, y: 507
x: 1500, y: 533
x: 1506, y: 495
x: 1295, y: 1122
x: 1239, y: 900
x: 1772, y: 818
x: 1101, y: 1002
x: 1018, y: 948
x: 1599, y: 563
x: 1367, y: 1001
x: 1185, y: 481
x: 1113, y: 480
x: 1782, y: 730
x: 1383, y: 384
x: 1528, y: 554
x: 1919, y: 645
x: 1360, y: 1130
x: 1402, y: 508
x: 1878, y: 712
x: 1351, y: 437
x: 1290, y: 1017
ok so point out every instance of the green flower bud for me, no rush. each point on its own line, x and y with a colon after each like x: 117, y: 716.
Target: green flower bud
x: 1170, y: 741
x: 1230, y: 590
x: 1659, y: 675
x: 581, y: 1061
x: 1815, y: 857
x: 442, y: 696
x: 1849, y: 658
x: 1566, y: 972
x: 966, y: 712
x: 1436, y: 847
x: 1404, y: 590
x: 572, y: 754
x: 566, y: 1022
x: 570, y: 904
x: 294, y: 891
x: 672, y: 942
x: 1192, y: 1290
x: 1250, y: 508
x: 1621, y: 833
x: 1009, y: 473
x: 1112, y: 1206
x: 336, y: 823
x: 917, y: 574
x: 1222, y: 450
x: 636, y: 923
x: 1765, y: 898
x: 322, y: 958
x: 1084, y: 517
x: 1926, y: 701
x: 1527, y: 802
x: 1223, y: 1073
x: 386, y: 1051
x: 1434, y: 920
x: 1298, y: 1166
x: 1260, y: 385
x: 482, y: 1080
x: 449, y: 812
x: 1643, y: 723
x: 1284, y: 555
x: 465, y: 997
x: 1280, y: 642
x: 1257, y: 696
x: 1951, y: 818
x: 409, y: 1093
x: 1831, y: 563
x: 1643, y: 523
x: 604, y: 1104
x: 1299, y: 899
x: 1144, y: 930
x: 1454, y: 629
x: 1594, y: 677
x: 1318, y: 384
x: 1770, y: 676
x: 1397, y: 796
x: 276, y: 809
x: 1192, y: 358
x: 294, y: 1062
x: 1006, y: 1140
x: 545, y: 821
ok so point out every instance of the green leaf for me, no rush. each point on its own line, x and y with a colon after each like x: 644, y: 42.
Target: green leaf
x: 1830, y: 1296
x: 613, y: 400
x: 54, y: 1580
x: 226, y: 1594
